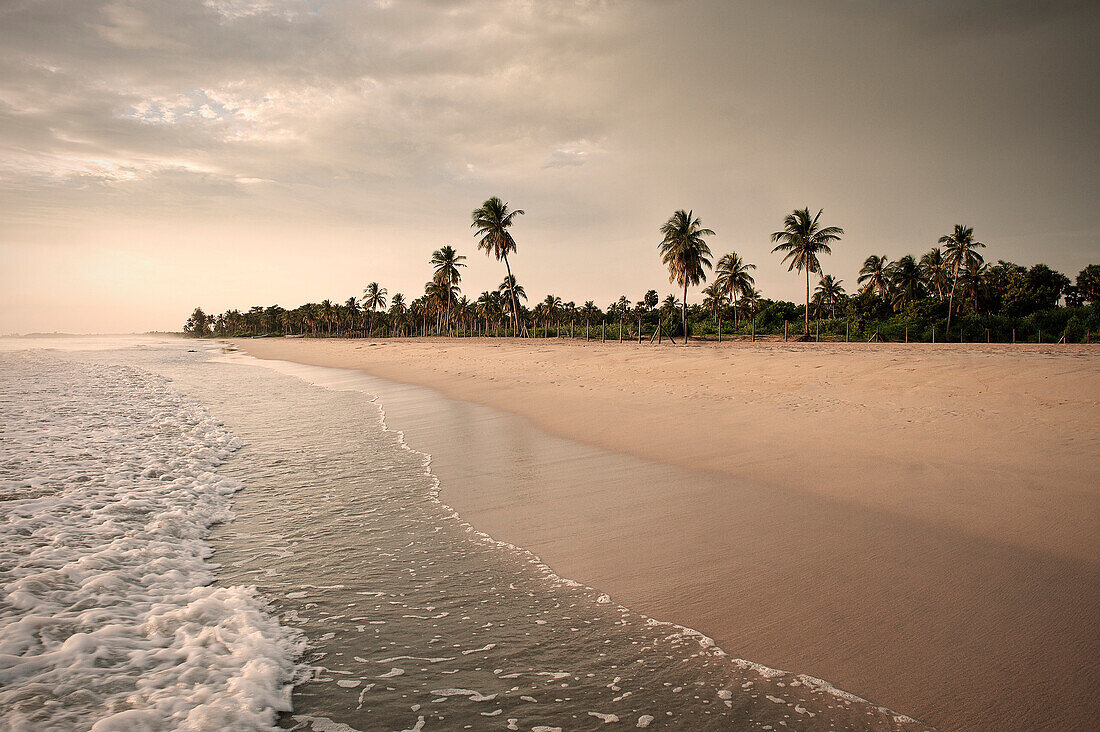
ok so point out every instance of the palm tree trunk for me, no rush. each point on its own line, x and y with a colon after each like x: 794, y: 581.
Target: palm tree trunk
x: 684, y: 312
x: 512, y: 291
x: 807, y: 330
x: 951, y: 302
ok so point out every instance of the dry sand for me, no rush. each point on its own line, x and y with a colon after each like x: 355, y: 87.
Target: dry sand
x: 917, y: 524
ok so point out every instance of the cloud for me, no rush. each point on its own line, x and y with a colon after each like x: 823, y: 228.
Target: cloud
x: 258, y: 123
x: 358, y: 90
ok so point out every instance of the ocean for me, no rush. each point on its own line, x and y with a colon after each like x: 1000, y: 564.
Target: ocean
x: 192, y: 539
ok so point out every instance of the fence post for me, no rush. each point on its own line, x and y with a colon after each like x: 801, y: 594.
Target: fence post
x: 987, y: 336
x: 933, y: 332
x: 907, y: 334
x: 1013, y: 336
x: 603, y: 331
x: 784, y: 331
x: 845, y: 331
x: 1040, y: 335
x: 752, y: 338
x: 719, y: 330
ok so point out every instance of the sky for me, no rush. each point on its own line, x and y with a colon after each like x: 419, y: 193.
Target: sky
x: 156, y: 155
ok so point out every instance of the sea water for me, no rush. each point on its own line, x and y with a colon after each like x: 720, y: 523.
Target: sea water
x: 184, y: 537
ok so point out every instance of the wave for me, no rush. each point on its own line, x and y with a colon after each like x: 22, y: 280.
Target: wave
x: 108, y: 616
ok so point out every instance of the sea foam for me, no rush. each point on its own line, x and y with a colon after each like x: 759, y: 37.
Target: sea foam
x: 108, y: 618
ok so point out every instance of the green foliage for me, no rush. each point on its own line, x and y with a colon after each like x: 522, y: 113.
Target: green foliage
x: 1088, y: 283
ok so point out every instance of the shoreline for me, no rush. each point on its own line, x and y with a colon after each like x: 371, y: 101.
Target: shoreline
x: 934, y: 442
x: 769, y: 579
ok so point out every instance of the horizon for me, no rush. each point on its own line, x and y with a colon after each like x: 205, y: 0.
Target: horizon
x: 229, y: 153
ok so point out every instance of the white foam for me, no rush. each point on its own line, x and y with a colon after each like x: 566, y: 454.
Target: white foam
x: 605, y: 718
x: 109, y: 619
x: 475, y: 696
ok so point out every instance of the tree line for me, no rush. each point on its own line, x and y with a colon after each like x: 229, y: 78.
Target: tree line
x: 948, y: 293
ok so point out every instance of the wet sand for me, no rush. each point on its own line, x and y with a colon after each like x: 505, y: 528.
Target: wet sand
x: 917, y: 525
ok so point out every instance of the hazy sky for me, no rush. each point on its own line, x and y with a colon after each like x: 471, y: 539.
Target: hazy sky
x: 161, y: 154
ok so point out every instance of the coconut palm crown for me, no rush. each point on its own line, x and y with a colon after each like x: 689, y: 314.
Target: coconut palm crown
x: 959, y: 253
x: 803, y: 239
x: 829, y: 291
x: 446, y: 262
x: 492, y: 221
x: 874, y: 275
x: 732, y: 278
x: 906, y: 281
x: 685, y: 252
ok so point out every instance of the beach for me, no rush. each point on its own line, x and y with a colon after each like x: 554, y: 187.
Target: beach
x: 914, y: 523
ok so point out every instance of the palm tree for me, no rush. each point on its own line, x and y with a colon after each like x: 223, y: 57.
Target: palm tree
x: 374, y: 297
x: 328, y: 314
x: 492, y: 222
x: 803, y: 240
x: 669, y: 306
x: 936, y: 273
x: 874, y: 276
x: 489, y: 306
x: 446, y: 262
x: 684, y: 251
x: 510, y: 286
x: 551, y: 306
x: 829, y: 291
x: 398, y: 310
x: 906, y: 281
x: 733, y: 278
x: 960, y: 251
x: 351, y: 310
x: 973, y: 278
x: 712, y: 299
x: 589, y: 311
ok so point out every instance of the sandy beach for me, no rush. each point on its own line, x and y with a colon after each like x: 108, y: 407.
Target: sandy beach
x: 917, y: 524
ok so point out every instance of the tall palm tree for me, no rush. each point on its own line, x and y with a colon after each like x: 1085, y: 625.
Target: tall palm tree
x: 685, y: 252
x: 446, y: 262
x: 733, y: 278
x: 829, y: 291
x: 492, y: 221
x: 906, y: 281
x: 959, y: 251
x: 874, y: 275
x: 374, y: 297
x: 804, y: 239
x: 935, y: 270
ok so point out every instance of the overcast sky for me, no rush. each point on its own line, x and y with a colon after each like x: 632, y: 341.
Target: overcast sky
x: 161, y: 154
